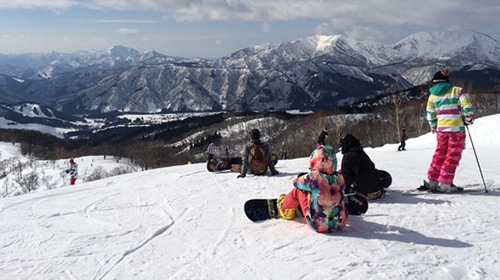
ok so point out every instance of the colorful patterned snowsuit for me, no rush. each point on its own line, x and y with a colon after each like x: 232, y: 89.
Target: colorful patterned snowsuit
x: 320, y: 193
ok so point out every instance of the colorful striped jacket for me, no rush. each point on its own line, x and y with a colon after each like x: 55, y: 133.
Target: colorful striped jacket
x: 447, y: 106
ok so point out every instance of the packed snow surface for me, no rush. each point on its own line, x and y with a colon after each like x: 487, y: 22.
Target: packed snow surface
x: 184, y: 222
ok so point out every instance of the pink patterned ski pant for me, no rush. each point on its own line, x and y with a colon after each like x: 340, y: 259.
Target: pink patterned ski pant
x: 295, y: 198
x: 446, y: 157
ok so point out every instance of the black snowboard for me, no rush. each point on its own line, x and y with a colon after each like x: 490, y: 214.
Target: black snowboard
x: 385, y: 178
x: 261, y: 209
x: 265, y: 209
x: 356, y: 204
x: 222, y: 164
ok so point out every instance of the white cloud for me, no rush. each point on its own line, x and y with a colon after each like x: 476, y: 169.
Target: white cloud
x: 13, y: 4
x: 378, y: 20
x: 129, y: 21
x: 127, y: 31
x: 342, y: 14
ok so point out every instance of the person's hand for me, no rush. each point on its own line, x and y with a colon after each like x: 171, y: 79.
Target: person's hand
x: 468, y: 121
x: 241, y: 176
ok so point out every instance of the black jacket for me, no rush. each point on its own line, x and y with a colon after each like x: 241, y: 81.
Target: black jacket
x: 357, y: 168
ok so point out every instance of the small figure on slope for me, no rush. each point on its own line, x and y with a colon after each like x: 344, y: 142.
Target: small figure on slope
x: 403, y: 138
x: 283, y: 150
x: 322, y: 137
x: 73, y: 171
x: 319, y: 193
x: 211, y: 151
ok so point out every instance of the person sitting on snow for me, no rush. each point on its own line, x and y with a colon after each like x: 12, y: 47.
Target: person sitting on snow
x: 359, y: 171
x: 319, y: 193
x: 256, y: 156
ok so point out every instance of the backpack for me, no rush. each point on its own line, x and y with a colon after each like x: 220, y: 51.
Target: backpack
x: 257, y: 159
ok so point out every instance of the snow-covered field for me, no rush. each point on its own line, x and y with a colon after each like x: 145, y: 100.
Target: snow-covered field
x: 50, y: 174
x: 183, y: 222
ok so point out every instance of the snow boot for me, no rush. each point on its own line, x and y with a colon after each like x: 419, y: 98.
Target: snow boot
x: 429, y: 186
x: 447, y: 188
x: 287, y: 214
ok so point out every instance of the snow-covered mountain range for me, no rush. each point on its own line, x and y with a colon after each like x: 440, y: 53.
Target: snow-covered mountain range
x: 308, y: 73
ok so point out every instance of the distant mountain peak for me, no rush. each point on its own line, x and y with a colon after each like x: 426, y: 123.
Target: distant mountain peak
x: 320, y: 71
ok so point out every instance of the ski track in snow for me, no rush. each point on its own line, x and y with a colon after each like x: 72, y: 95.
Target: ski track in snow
x: 132, y: 250
x: 139, y: 204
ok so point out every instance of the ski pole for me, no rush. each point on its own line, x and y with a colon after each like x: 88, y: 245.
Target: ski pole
x: 477, y: 160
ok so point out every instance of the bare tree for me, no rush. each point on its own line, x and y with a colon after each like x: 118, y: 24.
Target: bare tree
x: 98, y: 173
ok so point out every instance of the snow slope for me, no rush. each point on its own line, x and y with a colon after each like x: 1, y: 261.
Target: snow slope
x: 183, y: 222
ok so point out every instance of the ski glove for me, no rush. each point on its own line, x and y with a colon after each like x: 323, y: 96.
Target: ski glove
x: 468, y: 121
x: 241, y: 176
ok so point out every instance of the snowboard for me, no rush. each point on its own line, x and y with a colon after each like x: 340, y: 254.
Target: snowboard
x: 261, y: 209
x: 385, y: 178
x: 214, y: 165
x: 356, y: 204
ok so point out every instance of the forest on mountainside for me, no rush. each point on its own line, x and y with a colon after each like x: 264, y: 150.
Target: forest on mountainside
x: 186, y: 140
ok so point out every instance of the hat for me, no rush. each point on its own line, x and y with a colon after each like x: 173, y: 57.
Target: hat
x: 323, y: 159
x: 71, y: 160
x: 255, y: 134
x: 347, y: 142
x: 439, y: 77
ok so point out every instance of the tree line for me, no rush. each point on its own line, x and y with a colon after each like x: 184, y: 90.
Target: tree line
x: 375, y: 126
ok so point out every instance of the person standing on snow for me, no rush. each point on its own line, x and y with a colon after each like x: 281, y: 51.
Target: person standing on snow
x: 283, y: 150
x: 322, y: 137
x: 448, y: 110
x: 211, y: 151
x: 403, y: 139
x: 73, y: 171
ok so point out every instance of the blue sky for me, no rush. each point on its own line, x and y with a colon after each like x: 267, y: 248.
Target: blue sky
x: 217, y: 28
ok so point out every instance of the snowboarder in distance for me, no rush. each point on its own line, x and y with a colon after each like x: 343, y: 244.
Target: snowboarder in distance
x: 226, y: 155
x: 404, y: 137
x: 319, y: 193
x: 211, y: 151
x: 72, y: 171
x: 448, y: 111
x: 283, y: 150
x: 256, y: 156
x: 322, y: 137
